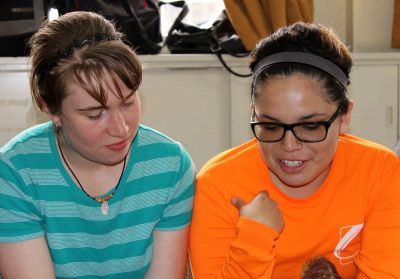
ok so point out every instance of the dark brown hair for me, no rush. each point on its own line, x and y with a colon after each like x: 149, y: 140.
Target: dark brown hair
x: 79, y: 47
x: 310, y: 38
x: 319, y: 268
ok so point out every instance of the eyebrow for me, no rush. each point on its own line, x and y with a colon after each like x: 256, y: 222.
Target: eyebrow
x: 98, y: 107
x: 91, y: 108
x: 303, y: 118
x: 130, y: 95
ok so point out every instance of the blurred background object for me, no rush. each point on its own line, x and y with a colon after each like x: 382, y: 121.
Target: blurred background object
x: 397, y: 148
x: 254, y: 20
x: 18, y: 21
x: 396, y: 25
x: 201, y: 13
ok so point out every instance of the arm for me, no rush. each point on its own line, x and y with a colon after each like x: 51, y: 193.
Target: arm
x: 23, y: 247
x: 26, y: 259
x: 169, y: 254
x: 170, y: 236
x: 222, y: 245
x: 379, y: 256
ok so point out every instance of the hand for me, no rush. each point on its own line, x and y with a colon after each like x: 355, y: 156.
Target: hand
x: 261, y: 209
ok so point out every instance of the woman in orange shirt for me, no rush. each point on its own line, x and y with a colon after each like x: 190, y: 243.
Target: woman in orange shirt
x: 303, y: 188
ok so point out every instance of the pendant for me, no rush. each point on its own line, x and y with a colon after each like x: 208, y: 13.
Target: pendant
x: 104, y: 208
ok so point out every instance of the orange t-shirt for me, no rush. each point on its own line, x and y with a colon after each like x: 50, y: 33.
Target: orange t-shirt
x: 353, y: 219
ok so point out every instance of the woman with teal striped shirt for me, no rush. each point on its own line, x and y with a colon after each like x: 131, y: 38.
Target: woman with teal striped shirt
x: 92, y: 193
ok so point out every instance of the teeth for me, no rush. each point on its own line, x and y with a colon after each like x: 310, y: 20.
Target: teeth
x: 292, y: 163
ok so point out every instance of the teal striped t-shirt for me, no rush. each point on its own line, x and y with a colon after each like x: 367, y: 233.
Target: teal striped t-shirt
x: 39, y: 198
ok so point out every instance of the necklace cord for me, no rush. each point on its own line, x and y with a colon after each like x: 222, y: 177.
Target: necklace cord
x: 97, y: 199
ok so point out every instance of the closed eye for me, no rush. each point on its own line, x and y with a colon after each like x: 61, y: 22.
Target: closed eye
x: 128, y: 103
x: 270, y: 127
x: 96, y: 116
x: 311, y: 126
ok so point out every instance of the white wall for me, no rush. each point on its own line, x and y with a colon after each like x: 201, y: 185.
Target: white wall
x: 365, y: 25
x: 333, y: 14
x: 372, y: 25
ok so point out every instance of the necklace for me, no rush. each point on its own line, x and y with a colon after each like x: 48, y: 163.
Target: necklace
x: 103, y: 201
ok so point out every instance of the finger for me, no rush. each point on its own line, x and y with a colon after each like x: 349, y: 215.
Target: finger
x: 261, y: 196
x: 264, y: 193
x: 238, y: 202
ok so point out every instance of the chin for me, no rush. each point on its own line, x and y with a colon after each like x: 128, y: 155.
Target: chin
x: 291, y: 184
x: 112, y: 160
x: 294, y: 181
x: 113, y: 163
x: 297, y: 186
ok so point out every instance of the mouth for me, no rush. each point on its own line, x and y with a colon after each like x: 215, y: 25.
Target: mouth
x: 118, y: 145
x: 292, y: 166
x: 292, y: 163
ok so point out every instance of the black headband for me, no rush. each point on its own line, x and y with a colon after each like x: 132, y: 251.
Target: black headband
x: 302, y: 58
x: 97, y: 37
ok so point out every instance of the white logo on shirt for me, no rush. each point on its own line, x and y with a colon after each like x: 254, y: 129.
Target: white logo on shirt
x: 352, y: 232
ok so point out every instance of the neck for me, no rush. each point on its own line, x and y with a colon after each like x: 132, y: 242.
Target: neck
x: 92, y: 178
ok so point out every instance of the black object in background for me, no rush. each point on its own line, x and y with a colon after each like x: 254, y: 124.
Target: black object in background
x: 139, y: 20
x: 19, y: 19
x: 220, y: 38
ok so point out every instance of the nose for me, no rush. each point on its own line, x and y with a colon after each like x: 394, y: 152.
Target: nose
x: 290, y: 143
x: 117, y: 125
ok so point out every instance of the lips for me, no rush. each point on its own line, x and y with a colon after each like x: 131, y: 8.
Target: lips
x: 292, y: 166
x: 118, y: 145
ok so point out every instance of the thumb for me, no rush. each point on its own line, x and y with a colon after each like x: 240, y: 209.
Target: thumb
x: 238, y: 202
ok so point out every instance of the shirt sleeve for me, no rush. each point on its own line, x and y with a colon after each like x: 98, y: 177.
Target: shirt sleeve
x: 223, y: 246
x: 177, y: 212
x: 379, y: 256
x: 20, y: 217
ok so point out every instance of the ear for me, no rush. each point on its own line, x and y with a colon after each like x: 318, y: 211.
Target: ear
x: 55, y: 118
x: 345, y: 118
x: 252, y: 109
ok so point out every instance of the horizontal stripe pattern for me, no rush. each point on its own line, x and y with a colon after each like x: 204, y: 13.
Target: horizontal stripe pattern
x: 13, y: 216
x: 152, y: 137
x: 33, y: 146
x: 90, y: 213
x: 36, y: 199
x: 8, y: 188
x: 119, y: 236
x: 22, y: 237
x: 152, y: 167
x: 42, y: 177
x: 172, y: 210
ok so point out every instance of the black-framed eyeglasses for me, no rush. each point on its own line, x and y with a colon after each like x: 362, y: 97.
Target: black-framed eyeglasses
x: 314, y: 131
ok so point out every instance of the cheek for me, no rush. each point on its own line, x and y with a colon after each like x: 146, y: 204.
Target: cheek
x: 329, y: 149
x: 133, y: 116
x: 323, y: 153
x: 332, y: 139
x: 83, y: 138
x: 82, y: 129
x: 134, y: 112
x: 267, y: 151
x: 89, y: 135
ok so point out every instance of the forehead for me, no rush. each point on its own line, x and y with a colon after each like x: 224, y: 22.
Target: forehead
x: 97, y: 85
x: 291, y: 92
